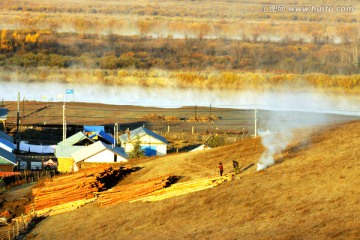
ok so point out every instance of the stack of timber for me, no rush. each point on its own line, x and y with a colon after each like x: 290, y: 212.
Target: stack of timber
x: 66, y: 193
x: 179, y: 189
x: 125, y: 193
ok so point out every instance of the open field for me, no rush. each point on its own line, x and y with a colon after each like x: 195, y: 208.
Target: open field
x: 176, y: 120
x: 310, y: 193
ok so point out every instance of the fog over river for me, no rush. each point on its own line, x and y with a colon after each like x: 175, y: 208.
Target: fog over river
x: 309, y: 101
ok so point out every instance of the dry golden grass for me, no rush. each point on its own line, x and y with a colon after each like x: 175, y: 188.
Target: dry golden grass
x: 312, y: 194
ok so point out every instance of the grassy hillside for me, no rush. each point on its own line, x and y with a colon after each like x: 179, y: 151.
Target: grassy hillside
x: 312, y: 192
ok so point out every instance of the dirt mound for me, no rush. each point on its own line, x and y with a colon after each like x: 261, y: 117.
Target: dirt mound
x: 152, y: 117
x: 157, y: 118
x: 203, y: 119
x: 172, y: 119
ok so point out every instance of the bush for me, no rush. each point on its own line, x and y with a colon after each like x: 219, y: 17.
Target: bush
x: 137, y: 152
x: 216, y: 141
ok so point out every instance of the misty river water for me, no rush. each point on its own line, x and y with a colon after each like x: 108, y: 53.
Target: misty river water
x: 308, y: 101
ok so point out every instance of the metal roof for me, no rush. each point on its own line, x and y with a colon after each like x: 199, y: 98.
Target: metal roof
x: 5, y: 136
x: 7, y: 157
x: 3, y: 113
x: 94, y: 128
x: 6, y: 143
x: 104, y: 135
x: 78, y: 137
x: 141, y: 131
x: 63, y: 151
x: 96, y: 148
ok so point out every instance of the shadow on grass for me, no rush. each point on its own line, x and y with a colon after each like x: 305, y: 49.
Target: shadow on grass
x: 26, y: 234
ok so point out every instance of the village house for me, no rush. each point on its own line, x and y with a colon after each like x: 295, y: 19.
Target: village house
x: 97, y: 133
x: 99, y: 152
x: 151, y: 143
x: 7, y: 161
x: 64, y: 149
x: 7, y: 157
x: 5, y: 136
x: 6, y: 145
x: 92, y: 145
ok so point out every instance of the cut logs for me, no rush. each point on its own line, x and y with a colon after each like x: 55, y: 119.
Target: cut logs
x: 179, y: 189
x: 72, y: 191
x: 129, y: 192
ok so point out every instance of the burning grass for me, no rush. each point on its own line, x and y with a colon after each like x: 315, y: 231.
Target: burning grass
x: 313, y: 194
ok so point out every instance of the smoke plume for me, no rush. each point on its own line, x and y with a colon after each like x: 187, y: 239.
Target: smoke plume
x: 274, y: 143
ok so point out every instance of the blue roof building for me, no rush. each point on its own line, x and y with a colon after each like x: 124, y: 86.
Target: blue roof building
x: 151, y: 143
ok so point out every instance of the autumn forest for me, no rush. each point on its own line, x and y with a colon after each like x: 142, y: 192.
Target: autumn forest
x: 232, y: 44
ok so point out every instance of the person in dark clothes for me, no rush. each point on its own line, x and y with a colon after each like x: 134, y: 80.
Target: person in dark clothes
x: 236, y: 166
x: 221, y: 168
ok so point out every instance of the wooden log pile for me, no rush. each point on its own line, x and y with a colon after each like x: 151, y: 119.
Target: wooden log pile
x: 179, y: 189
x: 66, y: 207
x: 71, y: 191
x: 125, y: 193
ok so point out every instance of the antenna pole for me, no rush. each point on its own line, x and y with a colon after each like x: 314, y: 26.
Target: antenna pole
x: 17, y: 124
x: 64, y: 125
x: 256, y: 122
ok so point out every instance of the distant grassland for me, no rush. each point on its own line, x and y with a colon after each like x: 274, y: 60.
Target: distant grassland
x: 225, y: 80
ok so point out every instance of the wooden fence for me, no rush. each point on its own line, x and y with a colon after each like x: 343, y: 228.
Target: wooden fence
x: 8, y: 182
x: 229, y: 138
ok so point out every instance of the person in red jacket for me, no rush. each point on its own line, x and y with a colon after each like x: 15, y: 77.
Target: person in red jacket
x: 221, y: 168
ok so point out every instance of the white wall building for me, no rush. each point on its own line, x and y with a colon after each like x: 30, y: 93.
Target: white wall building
x: 151, y: 143
x: 100, y: 152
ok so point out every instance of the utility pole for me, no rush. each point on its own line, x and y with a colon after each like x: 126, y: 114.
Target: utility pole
x: 195, y: 113
x: 17, y: 124
x: 22, y: 112
x: 64, y: 125
x: 256, y: 121
x: 210, y: 118
x: 210, y: 111
x: 195, y: 118
x: 116, y: 134
x: 114, y: 144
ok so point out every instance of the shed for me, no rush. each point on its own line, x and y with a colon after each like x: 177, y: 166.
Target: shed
x: 100, y: 152
x: 152, y: 143
x: 64, y: 158
x: 7, y: 161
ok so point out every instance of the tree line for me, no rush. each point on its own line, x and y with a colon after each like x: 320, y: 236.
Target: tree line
x: 45, y: 48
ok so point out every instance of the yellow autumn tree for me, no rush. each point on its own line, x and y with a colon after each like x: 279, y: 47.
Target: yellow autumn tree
x: 5, y: 43
x: 145, y: 26
x: 32, y: 38
x: 17, y: 39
